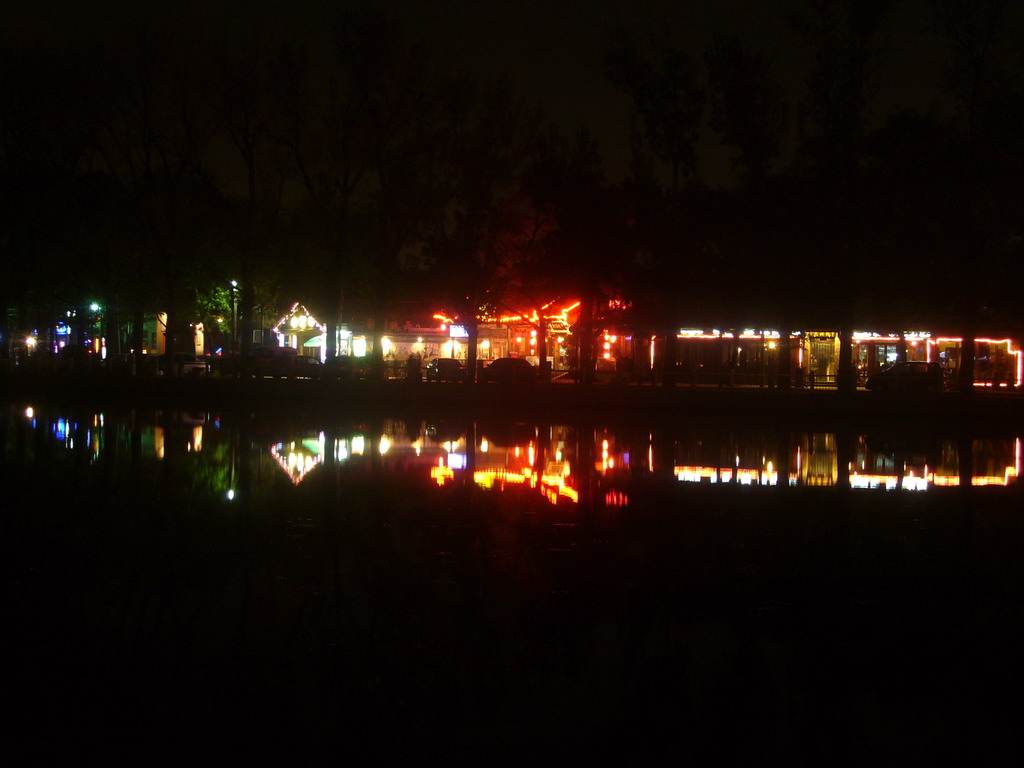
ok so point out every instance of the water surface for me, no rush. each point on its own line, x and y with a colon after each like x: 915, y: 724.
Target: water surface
x: 479, y: 589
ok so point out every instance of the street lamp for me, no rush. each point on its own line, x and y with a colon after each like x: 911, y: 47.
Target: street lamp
x: 234, y: 318
x: 96, y: 329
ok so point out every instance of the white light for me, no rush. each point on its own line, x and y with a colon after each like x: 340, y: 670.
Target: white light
x: 231, y: 495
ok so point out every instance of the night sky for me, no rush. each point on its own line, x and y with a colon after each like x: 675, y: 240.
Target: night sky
x: 552, y: 50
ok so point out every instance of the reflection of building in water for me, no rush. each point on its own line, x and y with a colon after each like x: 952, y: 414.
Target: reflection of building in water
x: 917, y: 467
x: 299, y: 457
x: 996, y: 462
x: 499, y: 467
x: 742, y: 459
x: 552, y: 486
x: 817, y: 459
x: 813, y: 461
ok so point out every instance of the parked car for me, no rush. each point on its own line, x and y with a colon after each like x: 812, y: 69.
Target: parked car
x: 305, y: 367
x: 117, y: 363
x: 181, y: 364
x: 446, y: 369
x: 346, y: 368
x: 909, y: 376
x: 510, y: 370
x: 271, y: 361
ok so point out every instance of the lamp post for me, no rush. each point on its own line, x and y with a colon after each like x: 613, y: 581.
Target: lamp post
x: 96, y: 328
x: 234, y: 317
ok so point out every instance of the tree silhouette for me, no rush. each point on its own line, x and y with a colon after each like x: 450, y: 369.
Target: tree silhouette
x: 747, y: 108
x: 481, y: 240
x: 667, y: 97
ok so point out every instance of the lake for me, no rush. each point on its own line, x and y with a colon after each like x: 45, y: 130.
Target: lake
x: 457, y: 586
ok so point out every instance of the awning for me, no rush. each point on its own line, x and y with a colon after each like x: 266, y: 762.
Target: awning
x: 316, y: 341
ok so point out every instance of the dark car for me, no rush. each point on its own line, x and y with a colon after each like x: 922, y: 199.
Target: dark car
x: 271, y: 361
x: 446, y: 369
x: 510, y: 370
x: 182, y: 364
x: 911, y: 376
x: 305, y: 367
x: 345, y: 368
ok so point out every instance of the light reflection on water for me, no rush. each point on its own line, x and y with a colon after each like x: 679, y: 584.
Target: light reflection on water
x: 243, y: 571
x: 553, y: 461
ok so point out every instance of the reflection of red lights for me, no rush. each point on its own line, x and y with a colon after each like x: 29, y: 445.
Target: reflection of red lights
x: 551, y: 486
x: 616, y: 499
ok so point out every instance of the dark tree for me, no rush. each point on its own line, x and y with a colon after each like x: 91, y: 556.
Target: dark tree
x: 983, y: 76
x: 583, y: 219
x: 843, y: 38
x: 668, y: 98
x: 152, y: 140
x: 747, y: 108
x: 485, y: 230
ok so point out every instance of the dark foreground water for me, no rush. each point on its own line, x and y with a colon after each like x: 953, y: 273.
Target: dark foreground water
x: 253, y: 590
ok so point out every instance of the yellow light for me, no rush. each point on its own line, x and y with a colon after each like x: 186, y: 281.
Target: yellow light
x: 294, y: 322
x: 485, y: 344
x: 772, y: 345
x: 519, y: 339
x: 484, y: 446
x: 30, y: 342
x: 386, y: 345
x: 385, y: 445
x: 533, y: 334
x: 441, y: 474
x: 607, y: 355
